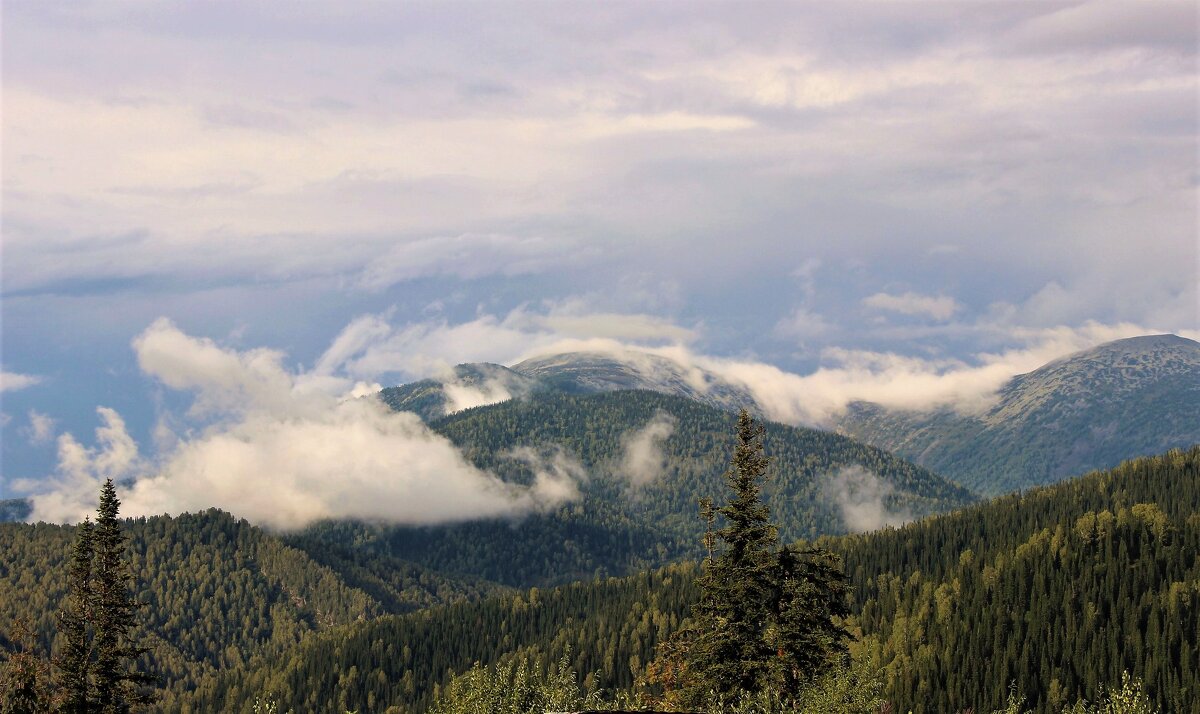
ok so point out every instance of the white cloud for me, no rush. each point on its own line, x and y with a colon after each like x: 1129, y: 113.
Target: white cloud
x: 817, y: 398
x: 642, y: 460
x: 12, y: 381
x: 466, y: 396
x: 284, y: 450
x: 940, y: 307
x: 861, y: 497
x: 802, y: 324
x: 41, y: 427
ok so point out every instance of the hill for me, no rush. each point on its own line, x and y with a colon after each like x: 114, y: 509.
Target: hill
x: 219, y: 592
x: 1090, y: 410
x: 1057, y: 590
x: 646, y: 460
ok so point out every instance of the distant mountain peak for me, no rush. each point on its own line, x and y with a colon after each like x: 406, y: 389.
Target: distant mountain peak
x: 1088, y: 410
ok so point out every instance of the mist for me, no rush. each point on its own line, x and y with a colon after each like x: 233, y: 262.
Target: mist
x: 861, y: 498
x: 642, y: 458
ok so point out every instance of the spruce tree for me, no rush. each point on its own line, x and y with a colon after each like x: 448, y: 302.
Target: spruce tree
x: 764, y: 622
x: 117, y: 683
x: 74, y: 661
x: 731, y: 650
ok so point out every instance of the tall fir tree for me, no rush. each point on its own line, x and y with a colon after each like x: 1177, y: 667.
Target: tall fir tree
x: 74, y: 661
x: 764, y: 621
x: 119, y: 687
x: 734, y: 611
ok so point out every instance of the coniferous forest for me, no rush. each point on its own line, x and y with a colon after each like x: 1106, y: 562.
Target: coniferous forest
x: 545, y: 357
x: 1051, y: 596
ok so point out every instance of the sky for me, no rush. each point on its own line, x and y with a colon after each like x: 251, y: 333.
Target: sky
x: 223, y: 218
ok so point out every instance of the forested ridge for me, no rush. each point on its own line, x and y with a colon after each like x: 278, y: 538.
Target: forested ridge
x: 614, y: 530
x: 220, y: 593
x: 1057, y: 590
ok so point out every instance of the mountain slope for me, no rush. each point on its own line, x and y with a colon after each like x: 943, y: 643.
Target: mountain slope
x: 616, y: 528
x: 219, y: 591
x: 1090, y: 410
x: 1057, y: 591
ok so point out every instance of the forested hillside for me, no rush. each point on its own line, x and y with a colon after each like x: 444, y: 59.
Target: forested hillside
x: 219, y: 592
x: 623, y: 524
x: 1058, y: 591
x: 1090, y: 410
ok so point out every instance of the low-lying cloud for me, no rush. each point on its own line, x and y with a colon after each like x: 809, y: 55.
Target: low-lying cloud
x: 285, y: 450
x: 642, y: 458
x: 818, y: 398
x: 861, y: 498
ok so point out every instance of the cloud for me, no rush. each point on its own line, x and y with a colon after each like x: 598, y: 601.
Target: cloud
x: 499, y: 387
x: 71, y: 492
x: 862, y: 498
x: 282, y: 450
x: 642, y: 459
x: 938, y: 308
x: 40, y: 429
x: 818, y: 397
x: 802, y: 324
x: 12, y: 381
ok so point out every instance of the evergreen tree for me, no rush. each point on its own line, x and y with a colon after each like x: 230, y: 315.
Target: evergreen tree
x: 117, y: 684
x: 764, y: 619
x: 74, y: 662
x: 731, y: 651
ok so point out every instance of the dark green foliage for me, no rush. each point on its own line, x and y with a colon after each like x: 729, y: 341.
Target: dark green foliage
x: 1091, y: 410
x: 613, y: 531
x: 1059, y: 590
x: 74, y: 676
x: 1042, y: 589
x: 609, y: 626
x: 118, y: 684
x: 220, y: 592
x: 763, y: 622
x: 730, y: 648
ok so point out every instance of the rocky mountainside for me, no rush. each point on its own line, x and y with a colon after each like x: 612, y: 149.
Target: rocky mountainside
x: 1090, y: 410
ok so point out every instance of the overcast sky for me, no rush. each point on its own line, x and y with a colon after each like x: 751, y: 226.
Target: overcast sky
x: 369, y: 192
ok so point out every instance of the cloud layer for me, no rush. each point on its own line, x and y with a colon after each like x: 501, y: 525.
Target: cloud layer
x: 285, y: 450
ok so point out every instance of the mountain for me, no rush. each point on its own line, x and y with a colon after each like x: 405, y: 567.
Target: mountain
x: 625, y: 521
x: 1054, y: 592
x: 1090, y: 410
x: 589, y: 373
x: 576, y: 373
